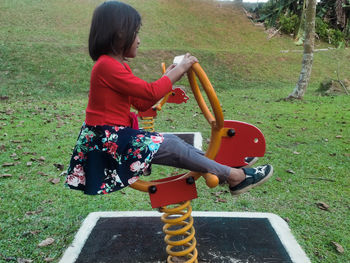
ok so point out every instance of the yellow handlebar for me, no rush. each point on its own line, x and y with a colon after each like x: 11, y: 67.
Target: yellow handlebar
x: 216, y: 122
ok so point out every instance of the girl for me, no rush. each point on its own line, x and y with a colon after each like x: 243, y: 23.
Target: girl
x: 110, y: 154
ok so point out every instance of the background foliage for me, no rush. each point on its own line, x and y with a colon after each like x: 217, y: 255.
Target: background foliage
x: 332, y: 23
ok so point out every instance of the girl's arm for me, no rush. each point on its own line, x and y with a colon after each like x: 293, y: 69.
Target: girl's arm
x: 114, y: 75
x: 142, y: 105
x: 175, y: 72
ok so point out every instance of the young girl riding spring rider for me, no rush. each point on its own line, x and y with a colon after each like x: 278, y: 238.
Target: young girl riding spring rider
x: 110, y: 154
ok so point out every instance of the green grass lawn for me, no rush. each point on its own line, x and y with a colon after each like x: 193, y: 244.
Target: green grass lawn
x: 44, y: 82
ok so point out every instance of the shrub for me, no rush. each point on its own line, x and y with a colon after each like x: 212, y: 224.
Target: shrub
x: 331, y: 35
x: 336, y: 37
x: 321, y: 29
x: 288, y: 24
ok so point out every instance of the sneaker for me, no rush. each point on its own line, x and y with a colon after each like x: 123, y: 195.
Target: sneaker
x: 254, y: 177
x: 250, y: 161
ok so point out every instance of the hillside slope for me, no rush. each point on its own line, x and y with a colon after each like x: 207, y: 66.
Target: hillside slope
x: 224, y: 38
x: 231, y: 49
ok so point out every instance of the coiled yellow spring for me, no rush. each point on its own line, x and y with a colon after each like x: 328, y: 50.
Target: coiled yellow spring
x: 179, y: 230
x: 147, y: 123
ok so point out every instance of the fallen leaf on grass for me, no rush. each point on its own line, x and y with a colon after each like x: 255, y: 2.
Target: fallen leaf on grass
x: 290, y: 171
x: 30, y: 153
x: 220, y: 200
x: 49, y: 259
x: 60, y: 124
x: 217, y: 194
x: 5, y: 175
x: 42, y: 174
x: 49, y: 201
x: 7, y: 164
x: 29, y: 164
x: 48, y: 241
x: 338, y: 136
x: 297, y: 153
x: 323, y: 206
x: 279, y: 179
x: 338, y: 247
x: 59, y: 166
x: 29, y: 213
x: 24, y: 260
x: 54, y: 180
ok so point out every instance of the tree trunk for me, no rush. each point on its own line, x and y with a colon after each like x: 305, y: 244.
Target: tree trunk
x: 300, y: 32
x: 340, y: 12
x: 308, y: 55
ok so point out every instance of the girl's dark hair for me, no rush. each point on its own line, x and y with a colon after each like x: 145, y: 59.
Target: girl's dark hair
x: 113, y: 29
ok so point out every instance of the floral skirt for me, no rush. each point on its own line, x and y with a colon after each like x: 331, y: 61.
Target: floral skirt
x: 109, y: 158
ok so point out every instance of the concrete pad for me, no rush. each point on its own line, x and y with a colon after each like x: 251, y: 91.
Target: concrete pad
x: 221, y: 237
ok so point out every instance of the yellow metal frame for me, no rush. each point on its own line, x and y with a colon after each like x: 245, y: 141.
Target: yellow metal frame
x: 165, y: 99
x: 147, y: 123
x: 216, y: 121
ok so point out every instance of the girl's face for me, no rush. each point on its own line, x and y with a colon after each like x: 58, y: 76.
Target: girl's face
x: 131, y: 53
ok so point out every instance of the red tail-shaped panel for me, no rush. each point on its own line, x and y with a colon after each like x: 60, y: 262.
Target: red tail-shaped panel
x: 243, y: 140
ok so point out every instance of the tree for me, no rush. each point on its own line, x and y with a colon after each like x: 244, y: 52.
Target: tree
x: 342, y: 10
x: 309, y: 42
x: 300, y: 33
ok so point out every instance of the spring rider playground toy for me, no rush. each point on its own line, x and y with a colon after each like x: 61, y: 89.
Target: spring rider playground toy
x: 246, y: 139
x: 172, y: 196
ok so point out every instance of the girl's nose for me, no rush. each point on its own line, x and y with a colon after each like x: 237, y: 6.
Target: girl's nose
x: 138, y: 40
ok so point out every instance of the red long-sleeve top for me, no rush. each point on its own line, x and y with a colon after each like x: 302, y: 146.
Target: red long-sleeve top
x: 113, y: 89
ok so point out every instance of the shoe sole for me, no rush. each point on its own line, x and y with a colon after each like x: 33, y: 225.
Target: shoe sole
x: 243, y: 190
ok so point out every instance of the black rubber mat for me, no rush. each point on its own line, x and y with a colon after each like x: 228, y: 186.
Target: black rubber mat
x: 219, y: 239
x: 187, y: 137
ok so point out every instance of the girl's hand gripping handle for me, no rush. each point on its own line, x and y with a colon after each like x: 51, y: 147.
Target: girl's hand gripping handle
x: 175, y: 72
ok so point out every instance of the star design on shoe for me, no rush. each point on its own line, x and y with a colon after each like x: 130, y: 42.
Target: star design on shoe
x: 260, y: 170
x: 254, y: 177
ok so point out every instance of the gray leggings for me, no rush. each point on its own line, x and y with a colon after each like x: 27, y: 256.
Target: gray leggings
x: 177, y: 153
